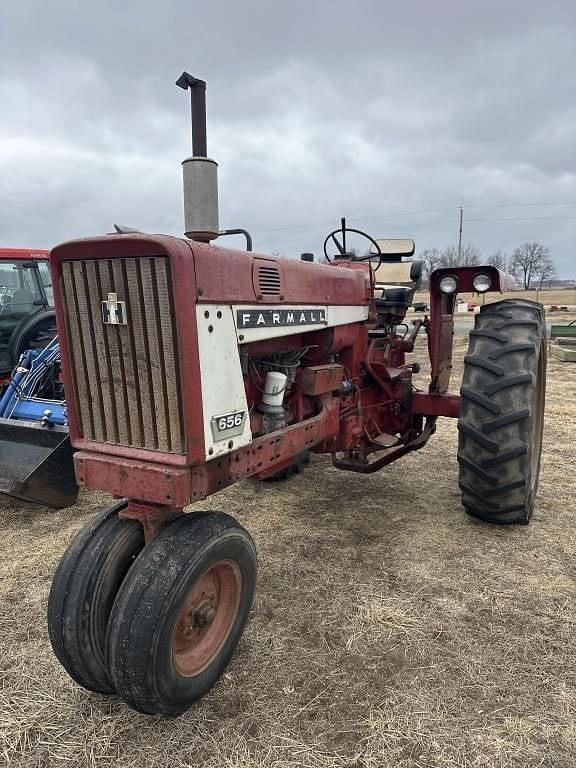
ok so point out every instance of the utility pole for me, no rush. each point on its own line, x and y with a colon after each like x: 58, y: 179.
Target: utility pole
x: 460, y: 236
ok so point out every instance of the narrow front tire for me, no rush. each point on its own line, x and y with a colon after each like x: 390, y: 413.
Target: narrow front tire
x: 83, y: 591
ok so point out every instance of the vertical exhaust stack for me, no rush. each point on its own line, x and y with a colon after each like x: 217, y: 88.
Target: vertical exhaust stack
x: 200, y: 172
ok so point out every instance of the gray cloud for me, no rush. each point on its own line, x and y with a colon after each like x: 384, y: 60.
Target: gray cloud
x: 371, y: 110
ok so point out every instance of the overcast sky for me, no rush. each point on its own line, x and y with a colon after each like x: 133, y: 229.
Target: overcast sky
x: 392, y: 114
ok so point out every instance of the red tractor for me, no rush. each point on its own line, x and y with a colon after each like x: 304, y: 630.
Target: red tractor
x: 189, y: 366
x: 26, y: 304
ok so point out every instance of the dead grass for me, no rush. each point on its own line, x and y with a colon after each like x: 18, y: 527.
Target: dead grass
x: 389, y: 629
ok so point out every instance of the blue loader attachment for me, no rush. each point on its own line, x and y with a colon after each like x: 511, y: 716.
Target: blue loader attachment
x: 35, y: 452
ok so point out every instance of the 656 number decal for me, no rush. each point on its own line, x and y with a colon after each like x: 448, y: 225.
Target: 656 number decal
x: 230, y: 421
x: 228, y: 425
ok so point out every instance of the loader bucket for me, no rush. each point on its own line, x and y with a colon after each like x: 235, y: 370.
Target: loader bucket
x: 36, y: 463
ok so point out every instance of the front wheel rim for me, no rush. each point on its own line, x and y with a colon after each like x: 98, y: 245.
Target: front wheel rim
x: 207, y: 618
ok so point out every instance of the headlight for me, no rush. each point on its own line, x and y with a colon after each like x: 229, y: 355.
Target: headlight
x: 481, y: 283
x: 448, y: 284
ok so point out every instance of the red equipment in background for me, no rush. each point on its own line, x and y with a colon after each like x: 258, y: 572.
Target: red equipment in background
x: 26, y: 304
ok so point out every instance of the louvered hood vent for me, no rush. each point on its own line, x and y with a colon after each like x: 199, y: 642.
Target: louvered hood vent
x: 269, y: 280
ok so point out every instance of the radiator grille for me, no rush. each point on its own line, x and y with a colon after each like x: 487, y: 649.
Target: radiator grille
x: 269, y: 281
x: 126, y: 377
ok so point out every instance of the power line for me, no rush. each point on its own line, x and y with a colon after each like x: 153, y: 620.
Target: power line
x: 528, y: 218
x: 512, y: 205
x: 356, y: 218
x: 411, y: 213
x: 405, y: 228
x: 408, y: 227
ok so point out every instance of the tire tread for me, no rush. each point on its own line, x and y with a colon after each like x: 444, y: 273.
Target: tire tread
x: 71, y: 635
x: 497, y: 411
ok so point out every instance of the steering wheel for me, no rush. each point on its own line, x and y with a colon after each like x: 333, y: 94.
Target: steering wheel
x: 341, y: 244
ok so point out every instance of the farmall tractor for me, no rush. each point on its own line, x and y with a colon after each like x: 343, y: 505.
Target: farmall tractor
x: 190, y: 366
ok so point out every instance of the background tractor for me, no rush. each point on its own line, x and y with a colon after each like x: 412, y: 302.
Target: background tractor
x: 189, y: 366
x: 27, y: 316
x: 35, y: 453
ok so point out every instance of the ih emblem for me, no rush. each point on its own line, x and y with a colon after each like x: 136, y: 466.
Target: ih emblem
x: 114, y: 311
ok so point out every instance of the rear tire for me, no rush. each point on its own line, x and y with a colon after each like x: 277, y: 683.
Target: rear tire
x: 502, y: 412
x: 181, y: 612
x: 83, y: 591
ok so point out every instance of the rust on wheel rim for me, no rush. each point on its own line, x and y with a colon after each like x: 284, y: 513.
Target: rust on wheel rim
x: 206, y: 618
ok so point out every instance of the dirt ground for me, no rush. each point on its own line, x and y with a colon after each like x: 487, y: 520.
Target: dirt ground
x: 389, y: 629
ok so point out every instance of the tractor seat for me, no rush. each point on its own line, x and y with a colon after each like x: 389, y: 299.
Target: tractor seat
x: 397, y: 297
x: 396, y: 282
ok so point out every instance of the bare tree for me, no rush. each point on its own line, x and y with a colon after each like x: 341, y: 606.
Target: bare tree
x: 430, y: 258
x: 499, y: 259
x: 546, y: 271
x: 469, y: 256
x: 449, y: 256
x: 529, y: 261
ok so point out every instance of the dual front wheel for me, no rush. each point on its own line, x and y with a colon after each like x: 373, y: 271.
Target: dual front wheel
x: 158, y: 623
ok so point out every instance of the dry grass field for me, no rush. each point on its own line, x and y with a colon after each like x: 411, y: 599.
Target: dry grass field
x: 389, y: 629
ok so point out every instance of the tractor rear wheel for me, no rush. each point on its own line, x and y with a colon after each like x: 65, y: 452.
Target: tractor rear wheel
x: 181, y: 612
x: 83, y: 592
x: 502, y: 411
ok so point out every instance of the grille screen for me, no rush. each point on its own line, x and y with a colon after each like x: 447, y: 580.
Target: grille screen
x: 126, y: 377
